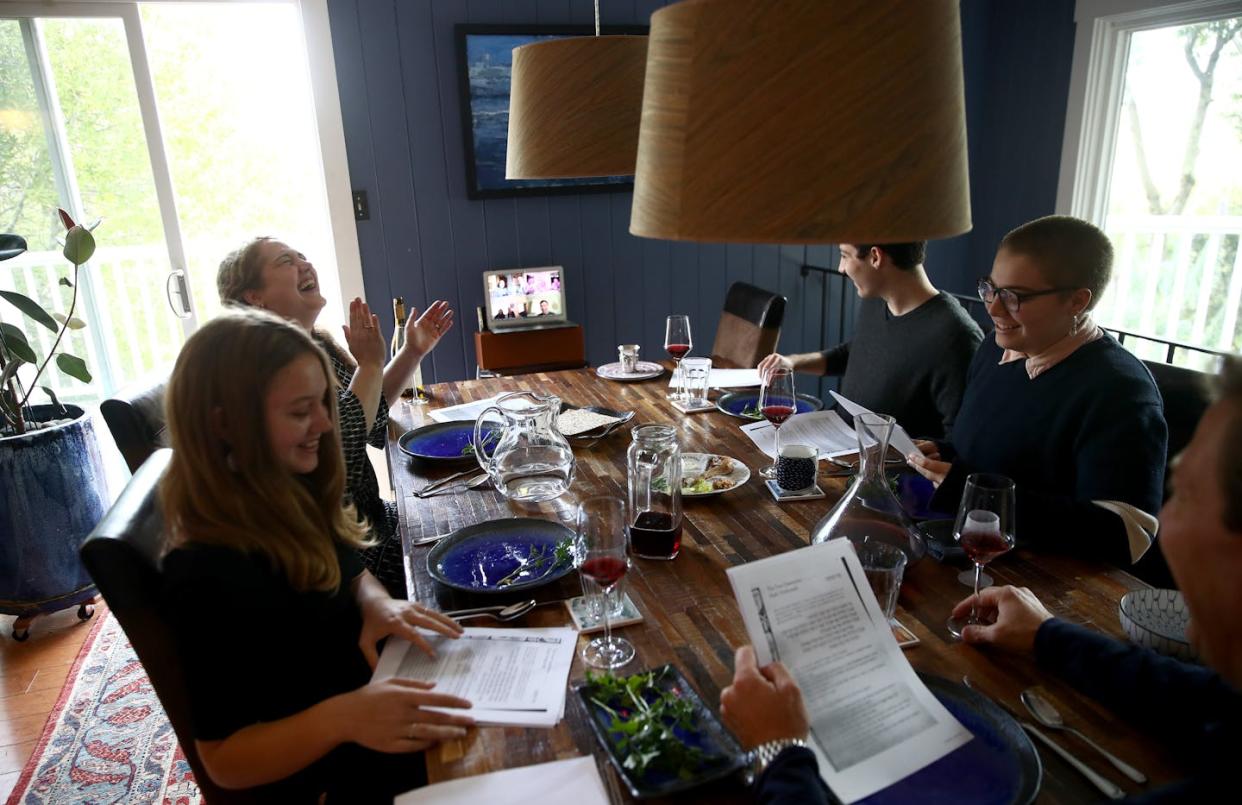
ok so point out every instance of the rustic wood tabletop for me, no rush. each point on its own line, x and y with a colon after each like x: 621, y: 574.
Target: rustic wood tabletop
x: 691, y: 619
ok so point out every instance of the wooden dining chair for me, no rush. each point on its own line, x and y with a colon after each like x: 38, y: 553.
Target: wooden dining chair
x: 135, y: 417
x: 123, y: 555
x: 749, y: 328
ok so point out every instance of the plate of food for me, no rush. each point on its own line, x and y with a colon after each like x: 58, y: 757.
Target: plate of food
x: 643, y: 370
x: 659, y: 734
x: 745, y: 404
x: 705, y: 474
x: 503, y: 556
x: 445, y: 441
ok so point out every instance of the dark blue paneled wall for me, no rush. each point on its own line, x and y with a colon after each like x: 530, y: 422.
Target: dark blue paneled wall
x: 397, y: 68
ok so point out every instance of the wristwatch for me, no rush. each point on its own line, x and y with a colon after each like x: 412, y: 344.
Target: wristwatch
x: 763, y: 754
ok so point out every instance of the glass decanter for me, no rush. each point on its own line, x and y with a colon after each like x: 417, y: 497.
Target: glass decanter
x: 869, y: 510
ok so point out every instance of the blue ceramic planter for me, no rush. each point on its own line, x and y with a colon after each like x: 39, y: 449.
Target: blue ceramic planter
x: 52, y: 493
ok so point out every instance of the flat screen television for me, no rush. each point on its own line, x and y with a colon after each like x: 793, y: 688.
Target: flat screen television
x: 524, y: 298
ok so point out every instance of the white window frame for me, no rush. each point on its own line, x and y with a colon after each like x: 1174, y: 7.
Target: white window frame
x: 324, y: 90
x: 1101, y: 52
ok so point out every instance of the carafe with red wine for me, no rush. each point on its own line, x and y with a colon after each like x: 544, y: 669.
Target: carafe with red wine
x: 870, y: 511
x: 654, y: 513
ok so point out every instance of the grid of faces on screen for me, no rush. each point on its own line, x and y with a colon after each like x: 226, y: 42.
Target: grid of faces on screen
x: 525, y: 295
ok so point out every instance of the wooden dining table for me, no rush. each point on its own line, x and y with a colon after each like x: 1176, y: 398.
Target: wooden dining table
x: 690, y: 616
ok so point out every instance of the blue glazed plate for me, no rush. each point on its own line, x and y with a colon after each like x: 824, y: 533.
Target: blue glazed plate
x: 442, y: 441
x: 735, y: 402
x: 999, y: 767
x: 915, y: 493
x: 480, y: 557
x: 725, y: 755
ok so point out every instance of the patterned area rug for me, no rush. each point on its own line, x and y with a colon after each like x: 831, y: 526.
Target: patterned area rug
x: 107, y: 740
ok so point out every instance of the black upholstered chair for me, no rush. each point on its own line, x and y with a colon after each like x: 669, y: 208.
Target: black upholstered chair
x: 136, y: 419
x: 1186, y: 396
x: 123, y: 556
x: 749, y: 328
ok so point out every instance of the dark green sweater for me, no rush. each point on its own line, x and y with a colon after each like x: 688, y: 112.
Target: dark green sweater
x: 913, y: 366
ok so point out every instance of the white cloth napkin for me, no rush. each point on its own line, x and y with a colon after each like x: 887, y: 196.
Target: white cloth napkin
x: 1141, y: 527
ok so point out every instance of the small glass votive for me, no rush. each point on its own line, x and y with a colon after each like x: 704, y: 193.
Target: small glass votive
x: 695, y: 374
x: 884, y: 565
x: 627, y: 354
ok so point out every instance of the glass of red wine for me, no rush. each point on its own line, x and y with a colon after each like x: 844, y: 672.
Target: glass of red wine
x: 601, y: 554
x: 677, y: 342
x: 984, y: 528
x: 777, y: 402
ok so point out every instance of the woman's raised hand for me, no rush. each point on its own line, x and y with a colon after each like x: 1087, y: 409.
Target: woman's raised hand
x: 422, y: 333
x: 927, y: 462
x: 362, y: 335
x: 389, y: 715
x: 384, y: 617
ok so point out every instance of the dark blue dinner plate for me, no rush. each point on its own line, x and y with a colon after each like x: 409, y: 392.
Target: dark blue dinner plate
x: 915, y: 493
x: 443, y: 441
x: 735, y: 402
x: 501, y: 556
x: 998, y: 767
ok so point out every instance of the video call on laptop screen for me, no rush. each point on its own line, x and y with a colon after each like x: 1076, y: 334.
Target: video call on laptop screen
x: 525, y: 296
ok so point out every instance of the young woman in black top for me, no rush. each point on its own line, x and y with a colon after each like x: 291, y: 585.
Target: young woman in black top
x: 277, y: 620
x: 268, y: 274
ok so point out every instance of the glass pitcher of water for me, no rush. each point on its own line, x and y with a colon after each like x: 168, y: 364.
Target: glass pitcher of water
x: 526, y: 456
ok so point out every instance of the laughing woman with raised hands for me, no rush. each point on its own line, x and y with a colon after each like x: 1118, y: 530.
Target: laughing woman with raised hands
x: 268, y: 274
x: 277, y: 622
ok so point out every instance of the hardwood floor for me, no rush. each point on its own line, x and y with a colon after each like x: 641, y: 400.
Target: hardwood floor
x: 32, y: 675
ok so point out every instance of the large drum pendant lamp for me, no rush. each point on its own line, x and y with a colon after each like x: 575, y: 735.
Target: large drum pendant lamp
x: 574, y: 107
x: 803, y: 121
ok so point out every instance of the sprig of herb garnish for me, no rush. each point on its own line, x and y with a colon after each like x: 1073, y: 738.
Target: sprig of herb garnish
x: 753, y: 411
x: 539, y: 559
x: 644, y: 720
x: 468, y: 450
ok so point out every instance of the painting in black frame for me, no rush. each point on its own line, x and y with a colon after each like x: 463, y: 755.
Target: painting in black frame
x: 484, y: 64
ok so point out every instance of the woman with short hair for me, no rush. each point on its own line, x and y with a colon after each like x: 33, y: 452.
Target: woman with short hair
x: 1055, y: 403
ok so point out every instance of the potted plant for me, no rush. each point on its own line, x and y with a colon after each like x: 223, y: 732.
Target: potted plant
x: 52, y: 489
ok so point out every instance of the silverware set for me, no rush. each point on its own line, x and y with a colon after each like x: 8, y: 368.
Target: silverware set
x: 1047, y: 715
x: 446, y: 485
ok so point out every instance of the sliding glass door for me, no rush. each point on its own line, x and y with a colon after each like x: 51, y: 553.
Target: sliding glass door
x: 189, y: 128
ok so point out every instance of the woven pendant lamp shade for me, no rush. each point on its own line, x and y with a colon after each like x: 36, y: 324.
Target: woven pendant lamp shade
x: 574, y: 107
x: 803, y: 121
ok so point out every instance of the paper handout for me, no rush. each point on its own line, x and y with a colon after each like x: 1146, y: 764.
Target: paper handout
x: 563, y: 782
x: 724, y: 378
x: 873, y: 721
x: 900, y: 440
x: 464, y: 412
x: 823, y: 430
x: 514, y: 677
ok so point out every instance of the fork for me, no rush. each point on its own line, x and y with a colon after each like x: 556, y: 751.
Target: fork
x: 472, y: 483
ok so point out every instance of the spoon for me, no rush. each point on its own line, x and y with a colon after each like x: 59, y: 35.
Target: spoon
x: 500, y: 613
x: 1048, y: 715
x: 477, y: 481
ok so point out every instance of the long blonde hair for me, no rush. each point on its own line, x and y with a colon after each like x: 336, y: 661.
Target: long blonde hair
x: 234, y: 493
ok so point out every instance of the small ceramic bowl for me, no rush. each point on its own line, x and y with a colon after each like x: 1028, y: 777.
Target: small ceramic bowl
x: 1157, y: 619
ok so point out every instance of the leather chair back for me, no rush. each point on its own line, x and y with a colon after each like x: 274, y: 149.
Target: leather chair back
x: 123, y: 555
x: 1186, y: 394
x: 749, y: 328
x: 136, y: 419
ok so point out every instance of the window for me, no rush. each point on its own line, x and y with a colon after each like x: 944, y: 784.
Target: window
x: 1153, y: 154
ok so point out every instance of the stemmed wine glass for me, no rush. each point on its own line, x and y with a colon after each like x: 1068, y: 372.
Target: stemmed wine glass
x: 777, y: 402
x: 677, y: 342
x: 984, y: 527
x: 602, y: 558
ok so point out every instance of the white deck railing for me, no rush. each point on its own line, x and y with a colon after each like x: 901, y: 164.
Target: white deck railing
x: 1176, y: 278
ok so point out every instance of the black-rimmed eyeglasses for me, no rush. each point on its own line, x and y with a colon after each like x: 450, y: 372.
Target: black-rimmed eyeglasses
x: 1012, y: 300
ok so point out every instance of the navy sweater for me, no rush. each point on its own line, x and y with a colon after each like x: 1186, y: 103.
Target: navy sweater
x: 1090, y: 428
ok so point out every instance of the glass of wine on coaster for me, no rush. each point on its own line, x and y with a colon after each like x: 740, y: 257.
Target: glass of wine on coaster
x: 777, y: 402
x: 677, y: 342
x: 602, y: 558
x: 984, y: 528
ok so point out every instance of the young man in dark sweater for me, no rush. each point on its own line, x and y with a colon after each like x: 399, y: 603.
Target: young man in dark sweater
x: 912, y: 344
